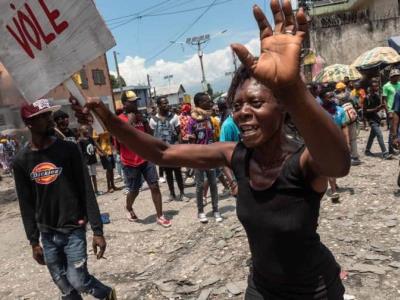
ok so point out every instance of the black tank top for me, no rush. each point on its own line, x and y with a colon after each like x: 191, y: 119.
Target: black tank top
x: 281, y: 225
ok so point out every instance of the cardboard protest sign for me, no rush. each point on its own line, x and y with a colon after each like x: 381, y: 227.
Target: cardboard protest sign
x: 44, y: 42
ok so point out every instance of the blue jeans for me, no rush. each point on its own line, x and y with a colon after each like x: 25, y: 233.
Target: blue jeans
x: 212, y: 181
x: 375, y: 132
x: 66, y: 259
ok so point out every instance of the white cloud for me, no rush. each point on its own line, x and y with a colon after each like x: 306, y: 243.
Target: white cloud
x: 188, y: 72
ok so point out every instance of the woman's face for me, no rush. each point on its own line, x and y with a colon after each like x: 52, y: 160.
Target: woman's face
x: 256, y: 112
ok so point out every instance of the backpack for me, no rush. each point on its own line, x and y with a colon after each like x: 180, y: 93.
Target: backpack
x: 164, y: 130
x: 351, y: 113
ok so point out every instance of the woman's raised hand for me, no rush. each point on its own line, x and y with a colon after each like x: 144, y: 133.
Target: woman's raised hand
x: 278, y: 65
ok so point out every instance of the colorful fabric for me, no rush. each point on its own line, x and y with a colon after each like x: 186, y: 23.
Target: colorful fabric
x: 377, y: 56
x: 217, y: 127
x: 358, y: 97
x: 184, y: 126
x: 200, y: 127
x: 336, y: 73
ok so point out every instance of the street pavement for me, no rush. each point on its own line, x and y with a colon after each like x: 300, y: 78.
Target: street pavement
x: 195, y: 261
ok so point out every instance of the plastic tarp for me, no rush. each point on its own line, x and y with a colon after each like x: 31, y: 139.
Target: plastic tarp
x: 394, y: 42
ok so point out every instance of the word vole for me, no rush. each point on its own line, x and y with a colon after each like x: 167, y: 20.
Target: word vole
x: 28, y: 31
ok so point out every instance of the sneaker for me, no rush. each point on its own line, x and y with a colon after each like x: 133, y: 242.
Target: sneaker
x: 217, y: 216
x: 98, y: 193
x: 203, y: 218
x: 387, y: 156
x: 126, y: 191
x: 112, y: 295
x: 161, y: 180
x: 164, y: 222
x: 394, y: 152
x: 368, y: 153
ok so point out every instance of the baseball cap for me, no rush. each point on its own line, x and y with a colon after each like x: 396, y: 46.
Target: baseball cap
x: 340, y: 86
x: 41, y: 106
x: 394, y: 72
x: 131, y: 96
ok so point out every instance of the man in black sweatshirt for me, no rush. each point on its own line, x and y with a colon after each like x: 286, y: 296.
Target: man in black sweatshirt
x: 57, y: 200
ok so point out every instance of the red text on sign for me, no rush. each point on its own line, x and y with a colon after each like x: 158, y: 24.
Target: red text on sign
x: 28, y: 30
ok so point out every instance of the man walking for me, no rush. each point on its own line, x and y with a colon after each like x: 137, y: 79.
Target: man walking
x: 56, y: 202
x: 389, y: 92
x: 372, y: 106
x: 165, y: 126
x: 201, y: 131
x: 135, y: 167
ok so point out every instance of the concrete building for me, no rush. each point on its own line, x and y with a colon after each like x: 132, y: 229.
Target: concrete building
x: 95, y: 81
x: 341, y: 30
x: 142, y: 91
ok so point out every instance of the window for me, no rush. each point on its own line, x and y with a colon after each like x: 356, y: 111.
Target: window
x: 85, y: 83
x: 98, y: 77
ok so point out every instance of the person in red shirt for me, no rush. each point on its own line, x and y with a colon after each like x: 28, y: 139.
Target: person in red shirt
x: 134, y: 166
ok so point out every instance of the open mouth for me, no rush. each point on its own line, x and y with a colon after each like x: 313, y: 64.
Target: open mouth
x: 248, y: 130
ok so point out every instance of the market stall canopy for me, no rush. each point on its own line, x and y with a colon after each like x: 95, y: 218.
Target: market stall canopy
x: 378, y: 57
x: 336, y: 73
x: 394, y: 42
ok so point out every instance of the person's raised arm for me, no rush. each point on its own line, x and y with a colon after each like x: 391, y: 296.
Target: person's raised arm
x: 153, y: 149
x: 278, y: 67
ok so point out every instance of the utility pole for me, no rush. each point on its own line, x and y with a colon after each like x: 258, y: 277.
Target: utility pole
x: 169, y: 77
x: 149, y: 85
x: 118, y: 74
x: 199, y: 41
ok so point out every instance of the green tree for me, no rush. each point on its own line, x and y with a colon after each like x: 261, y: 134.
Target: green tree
x: 114, y: 81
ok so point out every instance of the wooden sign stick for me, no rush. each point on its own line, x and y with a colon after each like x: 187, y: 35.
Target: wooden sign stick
x: 75, y: 90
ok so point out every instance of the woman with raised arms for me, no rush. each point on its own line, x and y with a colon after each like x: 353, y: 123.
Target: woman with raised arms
x: 280, y: 183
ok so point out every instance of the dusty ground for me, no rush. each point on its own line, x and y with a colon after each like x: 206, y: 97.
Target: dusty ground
x: 193, y: 261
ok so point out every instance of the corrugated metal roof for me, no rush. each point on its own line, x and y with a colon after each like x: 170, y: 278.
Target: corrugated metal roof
x: 170, y: 90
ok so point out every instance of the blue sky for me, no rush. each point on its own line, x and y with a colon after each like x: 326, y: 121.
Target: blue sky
x: 142, y: 38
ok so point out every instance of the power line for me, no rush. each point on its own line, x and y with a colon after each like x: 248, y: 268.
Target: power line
x: 185, y: 10
x: 178, y: 4
x: 125, y: 22
x: 140, y: 12
x: 184, y: 32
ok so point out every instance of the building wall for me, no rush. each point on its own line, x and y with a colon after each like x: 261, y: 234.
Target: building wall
x: 11, y: 99
x: 341, y: 37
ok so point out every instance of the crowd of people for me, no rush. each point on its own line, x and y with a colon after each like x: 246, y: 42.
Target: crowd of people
x: 273, y: 143
x: 9, y: 147
x: 354, y: 104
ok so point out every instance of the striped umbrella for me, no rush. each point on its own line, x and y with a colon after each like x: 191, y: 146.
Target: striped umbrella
x: 336, y: 73
x: 378, y: 57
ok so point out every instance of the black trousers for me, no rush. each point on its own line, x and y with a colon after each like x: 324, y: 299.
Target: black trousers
x: 334, y: 291
x: 169, y: 172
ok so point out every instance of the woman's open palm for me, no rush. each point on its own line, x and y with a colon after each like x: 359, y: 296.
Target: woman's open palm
x: 279, y: 62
